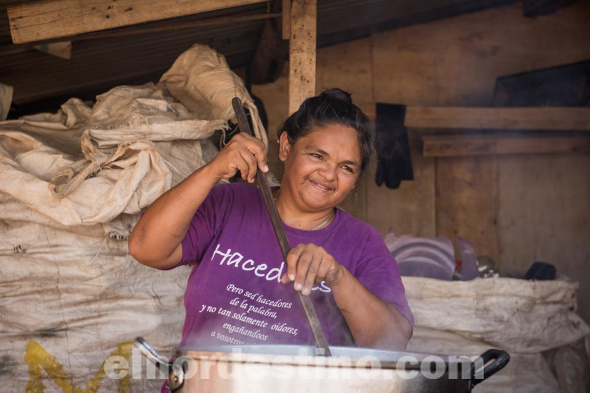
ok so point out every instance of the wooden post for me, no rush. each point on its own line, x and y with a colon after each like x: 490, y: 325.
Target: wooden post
x: 302, y: 52
x: 286, y: 11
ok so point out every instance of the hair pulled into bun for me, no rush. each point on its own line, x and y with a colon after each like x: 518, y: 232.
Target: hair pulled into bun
x: 338, y: 94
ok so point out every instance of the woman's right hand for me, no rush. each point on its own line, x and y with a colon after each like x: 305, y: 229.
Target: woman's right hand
x: 243, y: 153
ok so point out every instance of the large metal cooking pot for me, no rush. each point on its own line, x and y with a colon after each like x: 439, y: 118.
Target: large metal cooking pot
x: 288, y: 368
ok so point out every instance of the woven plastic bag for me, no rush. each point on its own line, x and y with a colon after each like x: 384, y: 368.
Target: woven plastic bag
x: 524, y: 318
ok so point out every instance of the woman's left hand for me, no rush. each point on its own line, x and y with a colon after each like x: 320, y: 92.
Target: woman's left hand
x: 308, y: 265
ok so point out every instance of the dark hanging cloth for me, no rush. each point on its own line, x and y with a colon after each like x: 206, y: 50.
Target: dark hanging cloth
x: 394, y: 162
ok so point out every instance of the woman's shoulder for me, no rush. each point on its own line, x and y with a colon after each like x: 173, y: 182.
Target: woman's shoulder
x: 361, y: 229
x: 361, y: 242
x: 239, y: 189
x: 232, y: 195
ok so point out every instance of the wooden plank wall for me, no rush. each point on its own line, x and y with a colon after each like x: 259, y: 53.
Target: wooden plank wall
x: 544, y: 215
x: 517, y: 209
x: 466, y: 201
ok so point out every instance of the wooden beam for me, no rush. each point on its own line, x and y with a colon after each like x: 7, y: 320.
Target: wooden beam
x: 302, y: 52
x: 146, y: 28
x: 61, y: 18
x: 286, y: 19
x: 481, y: 145
x: 534, y: 118
x: 175, y: 26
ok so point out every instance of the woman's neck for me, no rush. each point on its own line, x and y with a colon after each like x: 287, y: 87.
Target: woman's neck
x: 295, y: 217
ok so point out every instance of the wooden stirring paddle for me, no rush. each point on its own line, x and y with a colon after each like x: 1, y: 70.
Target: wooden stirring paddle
x: 277, y: 224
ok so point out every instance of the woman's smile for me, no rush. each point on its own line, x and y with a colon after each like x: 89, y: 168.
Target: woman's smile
x: 321, y: 186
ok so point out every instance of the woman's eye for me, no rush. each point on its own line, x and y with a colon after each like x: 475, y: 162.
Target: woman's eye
x: 314, y: 155
x: 348, y: 169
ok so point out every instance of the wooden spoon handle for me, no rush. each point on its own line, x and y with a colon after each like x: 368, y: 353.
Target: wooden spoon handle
x: 277, y: 224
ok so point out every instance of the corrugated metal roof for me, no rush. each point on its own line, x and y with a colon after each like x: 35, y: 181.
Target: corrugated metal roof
x: 105, y: 59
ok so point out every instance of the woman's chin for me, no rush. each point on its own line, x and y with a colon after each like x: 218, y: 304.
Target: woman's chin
x: 320, y: 204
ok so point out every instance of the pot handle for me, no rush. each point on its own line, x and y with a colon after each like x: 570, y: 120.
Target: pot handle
x: 500, y: 360
x: 150, y: 353
x: 174, y: 371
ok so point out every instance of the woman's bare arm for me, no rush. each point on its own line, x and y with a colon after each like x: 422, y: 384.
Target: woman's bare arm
x: 156, y: 239
x: 372, y: 322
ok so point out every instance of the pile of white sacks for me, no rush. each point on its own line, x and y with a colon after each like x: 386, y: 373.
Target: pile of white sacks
x: 72, y: 185
x: 534, y: 321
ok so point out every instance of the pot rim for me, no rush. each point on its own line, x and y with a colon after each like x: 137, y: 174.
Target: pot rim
x: 301, y: 355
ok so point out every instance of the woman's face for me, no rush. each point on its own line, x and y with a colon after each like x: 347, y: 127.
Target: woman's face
x: 322, y: 167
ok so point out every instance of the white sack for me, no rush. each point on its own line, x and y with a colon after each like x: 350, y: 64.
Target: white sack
x: 128, y: 152
x: 70, y: 298
x: 201, y: 79
x: 524, y: 316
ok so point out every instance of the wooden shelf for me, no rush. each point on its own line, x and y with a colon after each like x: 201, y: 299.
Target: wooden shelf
x: 478, y: 145
x: 534, y: 118
x: 559, y: 130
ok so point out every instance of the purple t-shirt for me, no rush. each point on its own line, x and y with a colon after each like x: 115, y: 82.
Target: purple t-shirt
x: 234, y: 294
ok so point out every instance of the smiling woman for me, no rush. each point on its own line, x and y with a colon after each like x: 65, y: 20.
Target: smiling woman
x: 321, y: 169
x: 341, y: 262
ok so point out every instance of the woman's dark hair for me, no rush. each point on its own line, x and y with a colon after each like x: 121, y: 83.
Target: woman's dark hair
x: 333, y: 106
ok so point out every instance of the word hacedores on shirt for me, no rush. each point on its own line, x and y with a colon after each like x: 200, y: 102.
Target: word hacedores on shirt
x: 234, y: 259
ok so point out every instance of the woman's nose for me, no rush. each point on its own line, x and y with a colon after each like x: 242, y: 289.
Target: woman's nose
x: 328, y: 170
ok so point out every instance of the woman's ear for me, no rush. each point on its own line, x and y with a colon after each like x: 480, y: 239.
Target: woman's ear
x: 284, y: 146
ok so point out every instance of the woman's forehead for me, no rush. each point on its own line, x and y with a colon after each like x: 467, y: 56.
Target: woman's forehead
x: 332, y: 133
x: 333, y: 138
